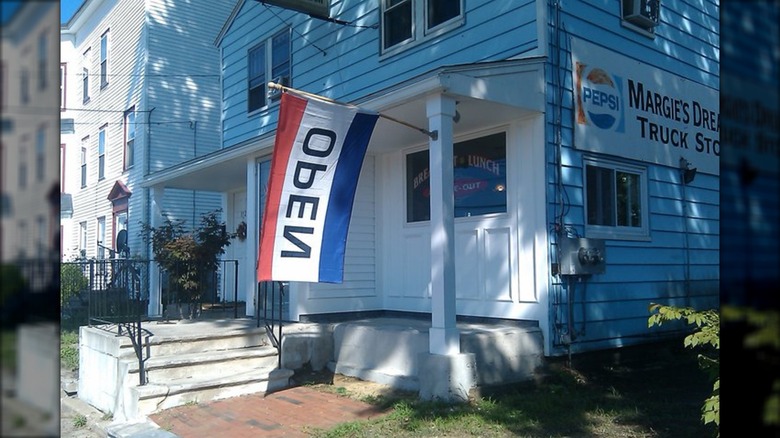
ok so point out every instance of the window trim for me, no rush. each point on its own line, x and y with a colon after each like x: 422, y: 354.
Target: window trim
x: 100, y: 244
x: 83, y: 159
x: 128, y: 156
x: 40, y: 153
x: 462, y: 139
x: 420, y: 30
x: 85, y: 96
x: 267, y: 47
x: 63, y: 85
x: 43, y: 48
x: 617, y: 232
x: 101, y: 152
x: 104, y: 75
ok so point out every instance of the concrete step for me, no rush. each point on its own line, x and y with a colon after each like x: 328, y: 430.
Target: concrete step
x: 158, y: 346
x: 207, y: 364
x: 152, y: 398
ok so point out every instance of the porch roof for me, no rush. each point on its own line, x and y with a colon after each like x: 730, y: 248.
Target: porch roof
x: 488, y: 94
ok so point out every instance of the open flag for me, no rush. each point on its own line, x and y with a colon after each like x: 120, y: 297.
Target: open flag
x: 318, y: 153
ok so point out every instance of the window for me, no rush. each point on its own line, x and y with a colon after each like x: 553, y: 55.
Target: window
x: 84, y: 142
x: 129, y: 138
x: 24, y: 86
x: 42, y: 58
x: 479, y: 180
x: 104, y: 60
x: 101, y: 237
x: 85, y: 75
x: 82, y: 239
x: 268, y: 61
x: 40, y: 154
x: 63, y: 75
x: 102, y: 152
x: 62, y: 167
x: 2, y: 85
x: 615, y: 203
x: 22, y: 169
x: 404, y: 21
x: 40, y: 222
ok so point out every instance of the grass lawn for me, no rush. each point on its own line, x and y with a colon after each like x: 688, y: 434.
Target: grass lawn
x: 654, y: 391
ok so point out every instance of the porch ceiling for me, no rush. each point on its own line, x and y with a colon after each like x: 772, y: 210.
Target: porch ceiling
x: 488, y: 94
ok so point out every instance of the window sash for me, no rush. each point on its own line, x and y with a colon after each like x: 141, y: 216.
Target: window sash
x: 256, y: 83
x: 83, y: 164
x: 441, y: 11
x: 42, y: 59
x: 129, y: 138
x: 104, y: 60
x: 615, y: 200
x: 40, y: 156
x: 397, y: 22
x: 101, y: 153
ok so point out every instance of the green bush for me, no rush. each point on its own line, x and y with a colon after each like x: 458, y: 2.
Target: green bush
x: 72, y: 282
x: 12, y: 281
x: 705, y: 337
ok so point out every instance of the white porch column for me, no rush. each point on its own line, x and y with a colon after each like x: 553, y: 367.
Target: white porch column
x: 156, y: 219
x: 248, y: 271
x: 444, y: 335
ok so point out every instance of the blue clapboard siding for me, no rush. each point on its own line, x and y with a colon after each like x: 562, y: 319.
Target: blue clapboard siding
x: 612, y: 309
x: 351, y: 67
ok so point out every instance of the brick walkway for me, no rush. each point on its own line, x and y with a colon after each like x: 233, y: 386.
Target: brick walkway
x: 288, y: 413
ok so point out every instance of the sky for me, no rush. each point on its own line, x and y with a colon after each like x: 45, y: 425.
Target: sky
x: 68, y: 8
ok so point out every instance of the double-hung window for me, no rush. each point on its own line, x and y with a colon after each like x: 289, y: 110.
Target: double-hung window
x: 102, y: 152
x: 83, y: 163
x: 104, y: 60
x: 129, y: 138
x: 615, y: 200
x: 40, y: 153
x: 267, y: 61
x: 404, y: 21
x: 42, y: 60
x: 85, y: 75
x: 24, y: 86
x: 63, y: 78
x: 101, y: 237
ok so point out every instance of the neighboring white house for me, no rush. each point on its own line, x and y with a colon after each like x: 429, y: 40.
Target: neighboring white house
x: 574, y: 125
x: 141, y: 87
x: 28, y: 167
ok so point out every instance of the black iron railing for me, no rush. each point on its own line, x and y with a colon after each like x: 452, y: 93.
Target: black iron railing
x: 269, y: 311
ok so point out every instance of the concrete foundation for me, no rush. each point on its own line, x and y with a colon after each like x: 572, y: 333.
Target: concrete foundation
x: 447, y: 378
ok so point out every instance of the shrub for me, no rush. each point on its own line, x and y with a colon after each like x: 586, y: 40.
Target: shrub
x: 72, y: 282
x: 705, y: 337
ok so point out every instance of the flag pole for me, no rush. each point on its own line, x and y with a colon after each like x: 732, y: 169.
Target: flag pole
x: 432, y: 134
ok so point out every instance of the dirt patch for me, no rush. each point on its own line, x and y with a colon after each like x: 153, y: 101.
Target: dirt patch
x: 328, y: 381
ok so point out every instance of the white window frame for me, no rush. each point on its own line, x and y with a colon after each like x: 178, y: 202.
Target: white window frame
x: 101, y: 152
x: 85, y: 97
x: 268, y: 73
x: 84, y: 143
x: 43, y: 49
x: 104, y: 58
x: 419, y: 22
x: 129, y: 149
x: 617, y: 232
x: 63, y: 84
x: 40, y: 153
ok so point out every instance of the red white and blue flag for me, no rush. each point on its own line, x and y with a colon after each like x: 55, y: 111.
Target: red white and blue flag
x: 318, y: 154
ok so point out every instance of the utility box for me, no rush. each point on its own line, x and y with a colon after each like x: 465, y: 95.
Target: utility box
x: 582, y: 256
